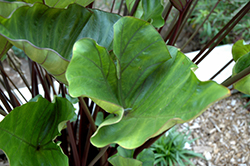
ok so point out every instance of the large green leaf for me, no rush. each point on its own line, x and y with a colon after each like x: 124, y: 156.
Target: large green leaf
x: 28, y: 132
x: 239, y: 49
x: 110, y: 86
x: 47, y: 35
x: 242, y: 63
x: 60, y: 3
x: 153, y: 12
x: 149, y: 94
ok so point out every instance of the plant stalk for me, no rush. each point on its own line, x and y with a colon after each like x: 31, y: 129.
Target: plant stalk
x: 87, y: 113
x: 237, y: 77
x: 221, y: 69
x: 73, y: 144
x: 134, y: 7
x: 245, y: 8
x: 99, y: 155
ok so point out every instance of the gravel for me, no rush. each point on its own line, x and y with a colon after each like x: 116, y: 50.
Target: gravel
x: 224, y: 133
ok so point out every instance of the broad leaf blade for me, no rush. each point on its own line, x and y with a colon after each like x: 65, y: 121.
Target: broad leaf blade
x: 47, y: 35
x: 242, y: 63
x: 170, y: 95
x: 153, y: 12
x: 27, y: 133
x: 239, y: 49
x: 134, y: 56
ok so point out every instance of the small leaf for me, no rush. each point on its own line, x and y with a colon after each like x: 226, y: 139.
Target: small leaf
x: 28, y: 132
x: 146, y: 157
x: 99, y: 118
x: 153, y: 12
x: 242, y: 63
x: 125, y: 152
x: 121, y: 161
x: 239, y: 49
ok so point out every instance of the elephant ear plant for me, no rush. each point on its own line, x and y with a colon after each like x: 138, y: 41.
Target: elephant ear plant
x: 118, y: 68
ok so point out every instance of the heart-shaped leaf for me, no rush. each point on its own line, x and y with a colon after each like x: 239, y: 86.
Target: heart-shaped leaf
x: 28, y: 132
x: 60, y: 3
x: 239, y: 49
x: 149, y: 94
x: 242, y: 63
x: 47, y: 35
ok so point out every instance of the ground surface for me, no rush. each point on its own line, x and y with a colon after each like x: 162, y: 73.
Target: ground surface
x: 224, y: 133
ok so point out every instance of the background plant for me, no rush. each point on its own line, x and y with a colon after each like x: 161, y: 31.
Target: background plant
x: 170, y: 149
x: 219, y: 18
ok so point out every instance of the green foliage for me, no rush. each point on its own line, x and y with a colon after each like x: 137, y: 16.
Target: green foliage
x: 239, y: 49
x: 28, y: 132
x: 241, y: 54
x: 219, y: 18
x: 169, y: 150
x: 33, y: 40
x: 139, y: 87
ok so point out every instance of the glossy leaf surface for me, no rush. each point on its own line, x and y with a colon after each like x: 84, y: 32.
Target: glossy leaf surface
x: 28, y: 132
x: 60, y: 3
x: 239, y: 49
x: 147, y: 92
x: 48, y: 38
x: 242, y: 63
x: 153, y: 12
